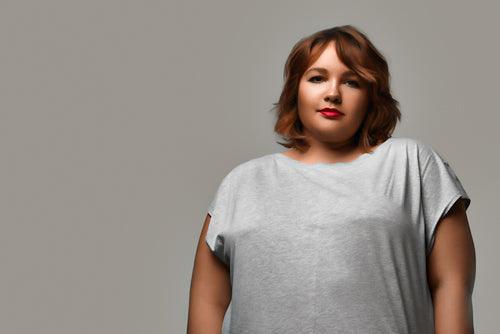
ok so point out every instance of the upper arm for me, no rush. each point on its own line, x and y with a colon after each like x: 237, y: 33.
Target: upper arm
x: 210, y: 282
x: 452, y: 259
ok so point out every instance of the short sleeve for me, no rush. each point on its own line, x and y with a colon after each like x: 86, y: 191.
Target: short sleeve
x: 441, y: 188
x: 220, y: 209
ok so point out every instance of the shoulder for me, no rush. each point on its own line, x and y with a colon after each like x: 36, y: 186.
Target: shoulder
x: 254, y: 163
x: 417, y: 153
x: 407, y: 142
x: 431, y: 162
x: 248, y: 168
x: 414, y: 146
x: 428, y: 155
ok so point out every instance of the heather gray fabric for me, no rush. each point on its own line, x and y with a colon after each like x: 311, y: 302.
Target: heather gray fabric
x: 332, y: 248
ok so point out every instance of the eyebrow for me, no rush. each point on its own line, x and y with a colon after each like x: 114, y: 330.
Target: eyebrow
x: 324, y: 70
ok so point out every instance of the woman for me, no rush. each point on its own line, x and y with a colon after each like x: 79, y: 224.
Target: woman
x: 338, y: 234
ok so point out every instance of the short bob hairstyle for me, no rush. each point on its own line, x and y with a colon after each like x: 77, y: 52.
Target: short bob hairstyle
x: 356, y: 52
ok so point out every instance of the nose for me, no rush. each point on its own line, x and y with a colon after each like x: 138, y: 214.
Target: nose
x: 333, y: 94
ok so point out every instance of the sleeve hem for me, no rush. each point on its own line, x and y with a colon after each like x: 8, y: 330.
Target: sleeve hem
x: 443, y: 212
x: 209, y: 243
x: 208, y: 237
x: 215, y: 241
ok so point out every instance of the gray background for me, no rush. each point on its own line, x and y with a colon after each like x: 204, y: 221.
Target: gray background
x: 119, y: 119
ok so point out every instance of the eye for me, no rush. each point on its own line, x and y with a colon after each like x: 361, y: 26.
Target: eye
x: 312, y: 78
x: 353, y: 83
x: 356, y: 84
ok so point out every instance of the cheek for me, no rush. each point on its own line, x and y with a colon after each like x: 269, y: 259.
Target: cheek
x: 358, y: 100
x: 307, y: 94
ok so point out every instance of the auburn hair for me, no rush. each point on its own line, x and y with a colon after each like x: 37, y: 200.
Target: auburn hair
x: 356, y: 51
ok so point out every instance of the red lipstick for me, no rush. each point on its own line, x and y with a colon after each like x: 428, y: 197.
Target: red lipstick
x: 331, y: 112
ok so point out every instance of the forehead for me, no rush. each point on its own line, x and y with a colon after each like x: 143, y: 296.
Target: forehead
x: 328, y: 61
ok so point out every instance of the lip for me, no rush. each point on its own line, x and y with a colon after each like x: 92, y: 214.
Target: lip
x: 331, y: 112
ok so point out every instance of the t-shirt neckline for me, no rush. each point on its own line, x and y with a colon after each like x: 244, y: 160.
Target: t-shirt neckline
x: 361, y: 158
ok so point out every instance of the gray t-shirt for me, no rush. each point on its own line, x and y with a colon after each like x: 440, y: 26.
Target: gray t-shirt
x: 332, y: 247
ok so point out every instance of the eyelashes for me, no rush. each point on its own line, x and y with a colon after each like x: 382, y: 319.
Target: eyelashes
x: 354, y: 82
